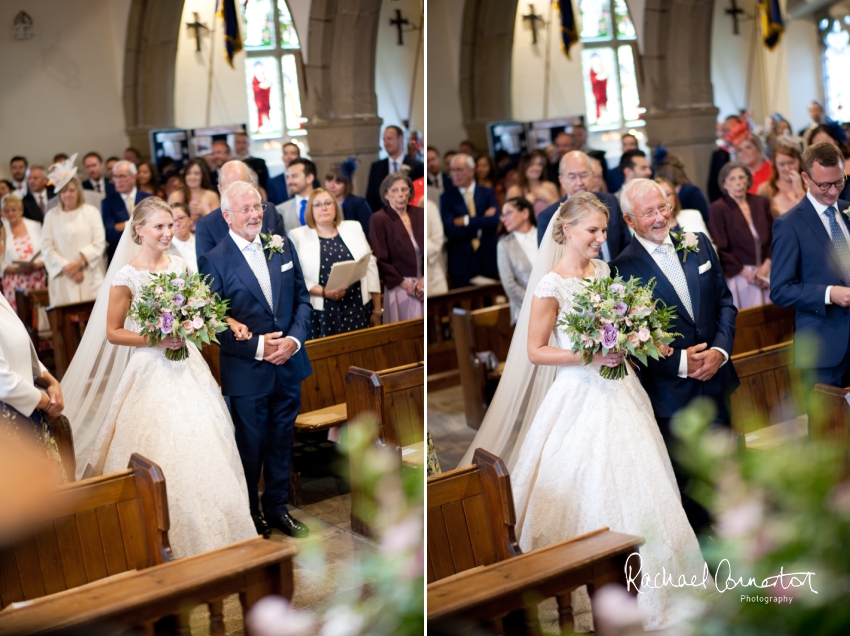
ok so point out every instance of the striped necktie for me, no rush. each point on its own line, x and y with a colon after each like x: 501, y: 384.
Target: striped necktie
x: 839, y: 241
x: 672, y: 268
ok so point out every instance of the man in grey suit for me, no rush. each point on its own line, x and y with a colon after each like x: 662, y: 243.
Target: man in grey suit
x: 300, y: 181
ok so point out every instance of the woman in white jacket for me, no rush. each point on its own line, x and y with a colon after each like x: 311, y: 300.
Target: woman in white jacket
x: 325, y: 240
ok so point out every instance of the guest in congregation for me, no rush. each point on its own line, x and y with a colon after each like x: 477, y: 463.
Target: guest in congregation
x: 751, y: 154
x: 23, y: 244
x: 682, y: 220
x: 73, y: 241
x: 212, y: 228
x: 834, y: 134
x: 18, y: 167
x: 485, y: 172
x: 147, y: 179
x: 597, y: 183
x: 242, y: 152
x: 576, y: 175
x: 396, y: 235
x: 517, y: 250
x: 6, y: 187
x: 109, y: 165
x: 531, y: 182
x: 671, y: 168
x: 721, y: 156
x: 740, y: 224
x: 634, y: 165
x: 447, y: 163
x: 97, y: 182
x: 580, y: 144
x: 301, y: 179
x: 467, y: 147
x: 197, y: 192
x: 117, y: 207
x: 629, y: 142
x: 277, y: 190
x: 563, y: 143
x: 38, y: 194
x: 29, y: 394
x: 470, y: 222
x: 393, y: 139
x: 816, y: 117
x: 436, y: 240
x: 785, y: 187
x: 133, y: 155
x: 437, y: 179
x: 183, y: 241
x: 339, y: 182
x: 219, y: 156
x: 325, y: 240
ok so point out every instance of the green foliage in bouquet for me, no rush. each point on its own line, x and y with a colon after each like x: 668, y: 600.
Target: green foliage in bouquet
x: 172, y: 304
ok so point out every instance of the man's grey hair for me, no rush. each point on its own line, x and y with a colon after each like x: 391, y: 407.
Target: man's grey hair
x: 468, y: 161
x: 129, y: 165
x: 571, y: 154
x: 236, y: 190
x: 595, y: 163
x: 636, y: 189
x: 253, y: 175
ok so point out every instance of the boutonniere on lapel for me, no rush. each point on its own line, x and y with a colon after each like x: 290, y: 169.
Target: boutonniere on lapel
x: 272, y: 243
x: 688, y: 242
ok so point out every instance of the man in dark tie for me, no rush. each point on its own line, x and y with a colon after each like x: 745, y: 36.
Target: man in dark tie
x: 394, y: 146
x: 300, y: 180
x: 811, y: 270
x: 38, y: 195
x: 437, y: 179
x: 117, y: 208
x: 93, y: 163
x: 277, y: 190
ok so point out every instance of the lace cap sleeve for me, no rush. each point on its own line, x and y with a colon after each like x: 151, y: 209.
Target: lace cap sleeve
x: 125, y: 278
x: 548, y: 287
x: 603, y: 270
x: 178, y: 264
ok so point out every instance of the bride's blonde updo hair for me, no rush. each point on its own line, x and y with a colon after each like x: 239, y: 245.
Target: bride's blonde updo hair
x: 143, y: 210
x: 574, y: 210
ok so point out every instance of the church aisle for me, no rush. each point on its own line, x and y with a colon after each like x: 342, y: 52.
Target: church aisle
x: 447, y: 425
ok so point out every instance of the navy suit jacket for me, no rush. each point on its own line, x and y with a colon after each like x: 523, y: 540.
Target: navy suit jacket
x: 464, y: 263
x: 231, y: 278
x: 107, y: 185
x: 804, y: 264
x: 618, y: 232
x: 212, y: 228
x: 31, y: 210
x: 380, y: 170
x: 356, y: 208
x: 113, y: 211
x: 277, y: 190
x: 714, y: 324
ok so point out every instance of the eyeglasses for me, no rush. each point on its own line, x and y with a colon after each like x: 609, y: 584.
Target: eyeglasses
x: 649, y: 214
x: 259, y: 208
x: 825, y: 187
x: 323, y: 204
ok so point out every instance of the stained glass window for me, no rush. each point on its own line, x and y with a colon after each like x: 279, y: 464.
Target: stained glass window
x: 836, y: 69
x: 608, y: 65
x: 273, y: 68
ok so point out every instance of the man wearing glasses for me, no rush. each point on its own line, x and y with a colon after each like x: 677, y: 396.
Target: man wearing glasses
x: 118, y: 206
x: 811, y: 270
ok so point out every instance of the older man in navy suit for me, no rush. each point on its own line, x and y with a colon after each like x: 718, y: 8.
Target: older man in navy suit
x: 117, y: 207
x: 262, y: 375
x: 691, y: 279
x: 470, y: 220
x: 575, y: 174
x: 811, y: 270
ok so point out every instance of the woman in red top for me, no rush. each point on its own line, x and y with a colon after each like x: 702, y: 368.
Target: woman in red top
x: 751, y: 154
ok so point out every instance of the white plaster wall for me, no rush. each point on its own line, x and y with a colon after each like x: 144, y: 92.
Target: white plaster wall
x: 395, y: 66
x: 443, y: 34
x: 566, y: 87
x: 61, y: 90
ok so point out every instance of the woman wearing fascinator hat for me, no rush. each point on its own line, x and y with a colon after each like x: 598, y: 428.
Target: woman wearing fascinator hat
x: 73, y: 240
x: 338, y: 181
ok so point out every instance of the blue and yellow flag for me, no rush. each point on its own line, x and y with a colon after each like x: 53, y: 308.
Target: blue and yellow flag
x: 772, y: 25
x: 569, y: 29
x: 232, y: 37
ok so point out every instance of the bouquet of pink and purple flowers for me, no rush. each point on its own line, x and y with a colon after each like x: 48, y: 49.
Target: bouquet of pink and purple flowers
x: 620, y: 316
x: 181, y: 306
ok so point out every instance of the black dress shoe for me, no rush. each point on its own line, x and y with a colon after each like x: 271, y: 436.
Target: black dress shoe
x: 287, y: 524
x: 261, y: 526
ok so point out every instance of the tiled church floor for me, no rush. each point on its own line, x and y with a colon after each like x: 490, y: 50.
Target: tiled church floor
x: 447, y: 425
x: 322, y: 569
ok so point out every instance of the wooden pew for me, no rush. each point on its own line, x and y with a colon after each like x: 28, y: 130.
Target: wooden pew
x: 101, y: 527
x: 830, y: 418
x: 395, y: 400
x: 253, y: 568
x: 28, y: 303
x: 61, y: 429
x: 761, y: 327
x: 478, y: 332
x: 476, y: 570
x: 442, y: 355
x: 769, y: 406
x: 68, y: 323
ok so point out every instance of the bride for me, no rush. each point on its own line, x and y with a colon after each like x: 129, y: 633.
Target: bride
x: 171, y: 412
x: 589, y: 453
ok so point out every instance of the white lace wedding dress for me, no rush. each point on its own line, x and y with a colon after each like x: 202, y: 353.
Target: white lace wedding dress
x: 172, y: 413
x: 594, y: 457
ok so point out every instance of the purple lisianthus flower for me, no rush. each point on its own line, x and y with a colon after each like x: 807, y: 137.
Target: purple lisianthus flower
x: 617, y: 287
x: 179, y: 282
x: 178, y: 299
x: 609, y: 336
x: 167, y: 323
x: 621, y: 308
